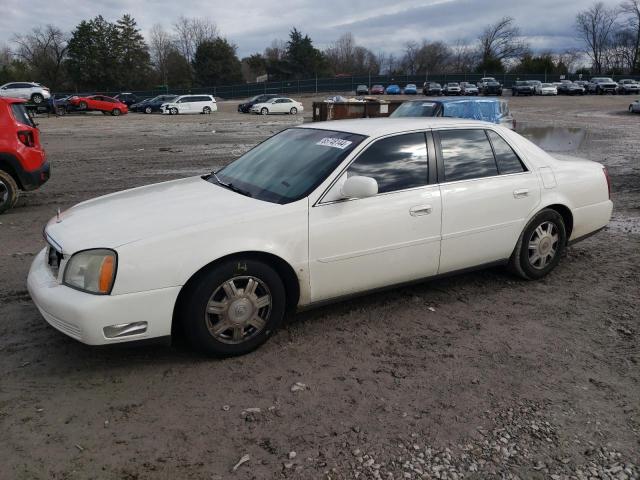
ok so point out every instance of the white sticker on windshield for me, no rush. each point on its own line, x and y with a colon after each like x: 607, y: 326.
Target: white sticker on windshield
x: 428, y: 104
x: 334, y: 142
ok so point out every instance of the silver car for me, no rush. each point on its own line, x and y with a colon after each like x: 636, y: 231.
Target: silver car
x: 34, y: 92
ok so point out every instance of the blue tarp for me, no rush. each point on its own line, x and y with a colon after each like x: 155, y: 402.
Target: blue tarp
x: 486, y: 109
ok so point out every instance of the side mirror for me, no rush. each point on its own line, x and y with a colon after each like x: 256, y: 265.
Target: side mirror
x: 359, y: 187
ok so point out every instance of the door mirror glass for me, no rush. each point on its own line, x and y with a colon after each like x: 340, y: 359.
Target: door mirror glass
x: 359, y: 187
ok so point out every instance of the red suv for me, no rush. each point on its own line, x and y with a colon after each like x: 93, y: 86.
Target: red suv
x: 23, y: 164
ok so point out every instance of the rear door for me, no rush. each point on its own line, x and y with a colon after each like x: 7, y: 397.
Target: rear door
x: 487, y: 194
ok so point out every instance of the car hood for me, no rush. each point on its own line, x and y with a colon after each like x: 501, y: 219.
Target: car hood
x: 142, y: 213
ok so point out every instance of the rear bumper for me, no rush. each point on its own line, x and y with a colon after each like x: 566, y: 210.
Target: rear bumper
x: 35, y: 179
x: 83, y: 316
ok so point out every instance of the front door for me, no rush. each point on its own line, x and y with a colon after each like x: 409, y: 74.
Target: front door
x: 393, y: 237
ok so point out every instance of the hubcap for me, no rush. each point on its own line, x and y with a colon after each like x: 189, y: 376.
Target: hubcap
x: 543, y: 245
x: 238, y: 310
x: 4, y: 193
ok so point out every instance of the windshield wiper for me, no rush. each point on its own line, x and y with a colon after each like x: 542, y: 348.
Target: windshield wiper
x: 231, y: 186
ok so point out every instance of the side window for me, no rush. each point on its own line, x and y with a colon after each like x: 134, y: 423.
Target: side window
x: 466, y: 154
x: 396, y: 163
x: 506, y: 158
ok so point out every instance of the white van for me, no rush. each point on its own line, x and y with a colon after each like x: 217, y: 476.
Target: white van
x: 190, y: 104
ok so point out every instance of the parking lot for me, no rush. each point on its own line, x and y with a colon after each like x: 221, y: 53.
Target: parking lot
x: 480, y: 375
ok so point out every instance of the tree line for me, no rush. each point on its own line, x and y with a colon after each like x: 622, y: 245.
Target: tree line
x: 102, y: 55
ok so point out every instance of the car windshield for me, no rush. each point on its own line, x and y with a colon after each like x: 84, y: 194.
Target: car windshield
x: 545, y: 85
x: 416, y: 109
x: 289, y: 165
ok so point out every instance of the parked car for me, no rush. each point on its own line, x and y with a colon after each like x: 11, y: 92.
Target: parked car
x: 34, y: 92
x: 410, y: 89
x: 312, y: 214
x: 98, y: 103
x: 582, y: 83
x: 245, y: 107
x: 127, y: 98
x: 432, y: 89
x: 377, y: 90
x: 393, y: 90
x: 490, y: 86
x: 362, y: 90
x: 628, y: 87
x: 59, y: 103
x: 521, y: 87
x: 467, y: 88
x: 635, y: 107
x: 154, y: 104
x: 535, y: 84
x: 23, y: 163
x: 186, y: 104
x: 278, y: 105
x: 570, y: 88
x: 452, y: 88
x: 546, y: 89
x: 485, y: 109
x: 602, y: 85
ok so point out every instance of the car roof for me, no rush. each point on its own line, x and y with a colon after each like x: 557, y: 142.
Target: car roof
x: 376, y: 127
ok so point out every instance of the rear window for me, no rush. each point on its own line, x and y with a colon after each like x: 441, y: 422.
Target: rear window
x: 21, y: 115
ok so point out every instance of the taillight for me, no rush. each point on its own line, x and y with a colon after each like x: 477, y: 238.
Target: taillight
x: 27, y: 138
x: 606, y: 175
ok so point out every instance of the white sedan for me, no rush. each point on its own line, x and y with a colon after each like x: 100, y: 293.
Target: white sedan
x: 278, y: 105
x: 546, y: 89
x: 312, y: 214
x: 635, y: 107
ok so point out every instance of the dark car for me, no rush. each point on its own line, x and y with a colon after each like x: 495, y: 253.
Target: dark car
x: 628, y: 87
x: 362, y: 90
x: 522, y: 88
x: 59, y: 103
x: 151, y: 105
x: 567, y: 87
x: 432, y: 89
x: 602, y: 86
x: 491, y: 87
x: 245, y: 107
x: 377, y: 90
x: 127, y: 98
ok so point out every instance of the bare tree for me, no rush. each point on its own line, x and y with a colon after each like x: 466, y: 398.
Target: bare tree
x: 410, y: 58
x: 595, y: 28
x: 276, y: 52
x: 631, y: 10
x: 570, y: 58
x: 43, y: 50
x: 501, y: 41
x: 463, y: 57
x: 345, y: 56
x: 160, y: 44
x: 191, y: 32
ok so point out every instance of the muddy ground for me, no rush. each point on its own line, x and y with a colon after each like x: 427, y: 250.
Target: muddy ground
x: 476, y: 376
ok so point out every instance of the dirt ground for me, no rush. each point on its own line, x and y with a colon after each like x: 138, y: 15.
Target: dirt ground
x: 476, y: 376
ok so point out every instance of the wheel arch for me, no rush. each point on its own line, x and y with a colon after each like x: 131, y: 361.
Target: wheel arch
x: 565, y: 213
x: 11, y: 165
x: 281, y: 266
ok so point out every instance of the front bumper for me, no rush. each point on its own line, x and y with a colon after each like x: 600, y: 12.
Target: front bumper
x: 83, y: 316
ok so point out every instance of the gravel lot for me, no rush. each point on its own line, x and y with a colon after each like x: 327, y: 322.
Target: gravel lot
x: 476, y: 376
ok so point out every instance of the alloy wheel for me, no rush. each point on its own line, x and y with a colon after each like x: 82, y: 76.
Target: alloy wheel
x: 4, y: 193
x: 238, y: 310
x: 543, y: 245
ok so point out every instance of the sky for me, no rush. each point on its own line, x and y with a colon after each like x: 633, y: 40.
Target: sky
x: 380, y: 25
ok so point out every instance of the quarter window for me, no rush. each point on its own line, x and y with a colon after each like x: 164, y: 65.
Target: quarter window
x: 506, y: 158
x: 466, y: 154
x: 396, y: 163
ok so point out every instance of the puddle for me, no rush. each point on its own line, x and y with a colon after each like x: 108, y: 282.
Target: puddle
x: 555, y: 139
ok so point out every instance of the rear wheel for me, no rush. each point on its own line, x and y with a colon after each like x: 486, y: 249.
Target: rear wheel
x: 264, y: 111
x: 8, y: 191
x: 293, y: 111
x: 37, y: 98
x: 233, y: 308
x: 540, y: 245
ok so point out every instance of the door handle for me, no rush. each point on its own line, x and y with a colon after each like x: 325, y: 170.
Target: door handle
x: 420, y: 210
x: 521, y: 193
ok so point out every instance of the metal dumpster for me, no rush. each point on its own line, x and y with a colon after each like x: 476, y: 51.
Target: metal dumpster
x: 323, y: 111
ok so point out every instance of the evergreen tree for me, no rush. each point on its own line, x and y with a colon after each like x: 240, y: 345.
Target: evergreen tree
x: 304, y: 60
x: 216, y: 63
x: 133, y: 55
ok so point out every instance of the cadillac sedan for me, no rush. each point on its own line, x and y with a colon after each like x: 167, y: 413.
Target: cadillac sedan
x: 314, y: 213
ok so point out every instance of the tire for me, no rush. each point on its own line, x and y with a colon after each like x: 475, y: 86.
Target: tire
x: 116, y: 112
x: 206, y: 307
x: 148, y: 110
x: 8, y: 192
x: 82, y: 105
x: 173, y: 111
x: 293, y: 111
x: 37, y: 98
x: 545, y: 237
x: 264, y: 111
x: 206, y: 110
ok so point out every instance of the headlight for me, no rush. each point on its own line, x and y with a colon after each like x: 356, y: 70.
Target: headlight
x: 92, y: 271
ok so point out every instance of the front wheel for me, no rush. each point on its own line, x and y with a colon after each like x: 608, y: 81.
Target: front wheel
x: 233, y: 308
x: 173, y: 111
x: 82, y: 105
x: 293, y: 111
x: 8, y: 191
x: 264, y: 111
x: 148, y: 110
x: 116, y: 112
x: 206, y: 110
x: 540, y: 246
